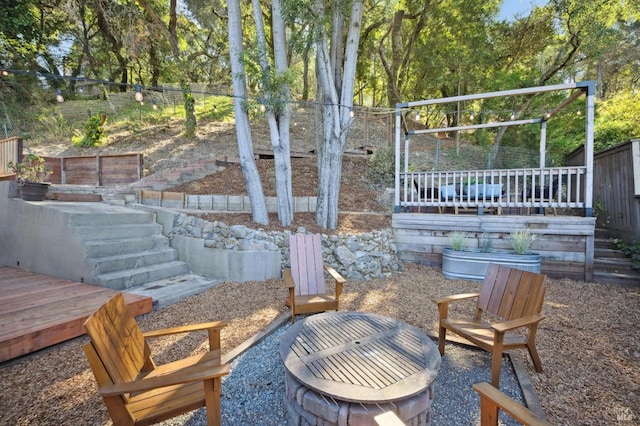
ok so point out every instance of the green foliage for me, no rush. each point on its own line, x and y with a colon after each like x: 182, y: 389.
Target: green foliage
x: 521, y: 240
x: 381, y: 166
x: 486, y: 244
x: 32, y: 168
x: 631, y: 250
x: 53, y: 126
x: 617, y: 120
x: 94, y: 132
x: 457, y: 239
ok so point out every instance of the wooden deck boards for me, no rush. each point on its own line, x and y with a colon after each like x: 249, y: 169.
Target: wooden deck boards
x: 37, y: 311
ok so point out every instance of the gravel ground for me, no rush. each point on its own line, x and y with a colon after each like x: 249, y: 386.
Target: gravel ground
x: 588, y: 344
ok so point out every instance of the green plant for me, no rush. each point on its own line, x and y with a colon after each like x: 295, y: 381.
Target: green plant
x: 381, y: 166
x: 457, y: 240
x: 521, y: 240
x: 486, y: 244
x: 32, y: 168
x: 631, y: 250
x: 94, y: 132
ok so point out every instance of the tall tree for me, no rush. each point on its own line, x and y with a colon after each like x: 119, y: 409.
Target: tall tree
x: 276, y: 100
x: 171, y: 34
x: 336, y: 28
x: 243, y: 131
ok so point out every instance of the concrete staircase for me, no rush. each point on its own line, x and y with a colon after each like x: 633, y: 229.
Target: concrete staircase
x: 611, y: 266
x: 126, y: 250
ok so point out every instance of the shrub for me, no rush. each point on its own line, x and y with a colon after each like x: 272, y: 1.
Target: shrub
x: 457, y: 240
x: 94, y: 132
x: 521, y: 240
x: 631, y: 250
x: 381, y: 166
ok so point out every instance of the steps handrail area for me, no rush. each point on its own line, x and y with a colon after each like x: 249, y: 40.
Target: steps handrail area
x: 561, y: 187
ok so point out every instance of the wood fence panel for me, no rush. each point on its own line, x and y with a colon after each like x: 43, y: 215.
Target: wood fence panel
x: 120, y: 169
x: 80, y: 171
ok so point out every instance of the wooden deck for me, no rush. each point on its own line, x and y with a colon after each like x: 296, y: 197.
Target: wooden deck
x: 37, y: 311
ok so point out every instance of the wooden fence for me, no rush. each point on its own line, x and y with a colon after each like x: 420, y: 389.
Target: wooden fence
x: 10, y: 150
x: 96, y: 170
x: 616, y: 188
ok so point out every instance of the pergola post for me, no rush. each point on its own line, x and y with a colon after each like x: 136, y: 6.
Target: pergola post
x: 588, y: 149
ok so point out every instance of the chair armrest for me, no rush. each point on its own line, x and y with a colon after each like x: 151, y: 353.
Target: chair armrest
x: 197, y: 372
x: 443, y: 303
x: 288, y: 278
x: 337, y: 278
x: 335, y: 274
x: 456, y: 297
x: 493, y: 399
x: 217, y: 325
x: 501, y: 327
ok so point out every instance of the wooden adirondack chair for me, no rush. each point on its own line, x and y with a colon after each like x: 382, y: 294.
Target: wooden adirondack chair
x: 510, y: 294
x: 134, y: 389
x: 492, y: 400
x: 305, y: 280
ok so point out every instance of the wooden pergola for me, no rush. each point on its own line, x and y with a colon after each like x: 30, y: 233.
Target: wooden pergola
x: 577, y: 180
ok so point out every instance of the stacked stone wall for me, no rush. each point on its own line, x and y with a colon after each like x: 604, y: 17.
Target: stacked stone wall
x: 356, y: 256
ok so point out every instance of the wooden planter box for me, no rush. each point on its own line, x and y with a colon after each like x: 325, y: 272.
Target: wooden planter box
x: 471, y: 264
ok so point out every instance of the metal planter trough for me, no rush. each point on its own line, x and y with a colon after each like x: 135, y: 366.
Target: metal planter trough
x: 471, y: 264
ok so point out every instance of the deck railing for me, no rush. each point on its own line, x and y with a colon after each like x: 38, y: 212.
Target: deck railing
x: 10, y: 150
x: 557, y: 187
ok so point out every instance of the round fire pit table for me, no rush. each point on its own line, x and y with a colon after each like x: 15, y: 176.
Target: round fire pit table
x: 348, y: 367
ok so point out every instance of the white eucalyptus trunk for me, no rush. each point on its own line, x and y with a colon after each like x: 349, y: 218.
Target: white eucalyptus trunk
x: 243, y: 131
x: 278, y: 120
x: 336, y: 70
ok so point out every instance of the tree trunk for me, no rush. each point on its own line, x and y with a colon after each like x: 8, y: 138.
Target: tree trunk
x: 245, y: 145
x: 277, y: 104
x: 337, y: 107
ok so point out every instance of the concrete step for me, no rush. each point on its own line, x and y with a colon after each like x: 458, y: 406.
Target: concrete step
x: 106, y: 264
x: 171, y: 290
x: 113, y: 232
x: 128, y: 278
x: 100, y: 248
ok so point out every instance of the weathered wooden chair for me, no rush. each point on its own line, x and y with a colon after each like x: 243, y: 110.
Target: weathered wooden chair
x: 492, y: 400
x: 510, y: 294
x: 134, y: 389
x: 305, y: 280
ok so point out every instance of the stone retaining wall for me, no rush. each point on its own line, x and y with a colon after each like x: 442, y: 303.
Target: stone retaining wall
x: 361, y: 257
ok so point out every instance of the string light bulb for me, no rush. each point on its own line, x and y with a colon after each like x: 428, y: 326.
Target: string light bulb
x: 138, y: 96
x: 578, y: 112
x: 513, y: 115
x: 59, y: 96
x: 351, y: 113
x: 154, y: 104
x: 262, y: 108
x: 472, y: 115
x: 547, y: 115
x: 418, y: 116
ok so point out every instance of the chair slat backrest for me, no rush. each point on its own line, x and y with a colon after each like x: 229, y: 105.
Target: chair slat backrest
x: 117, y: 340
x: 306, y: 264
x: 511, y: 293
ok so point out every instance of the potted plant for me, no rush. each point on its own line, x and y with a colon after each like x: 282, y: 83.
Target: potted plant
x: 461, y: 261
x: 31, y: 175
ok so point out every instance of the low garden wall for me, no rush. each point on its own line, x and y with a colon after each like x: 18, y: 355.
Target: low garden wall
x: 358, y: 257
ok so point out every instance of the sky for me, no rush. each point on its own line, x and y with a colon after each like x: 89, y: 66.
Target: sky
x: 510, y: 8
